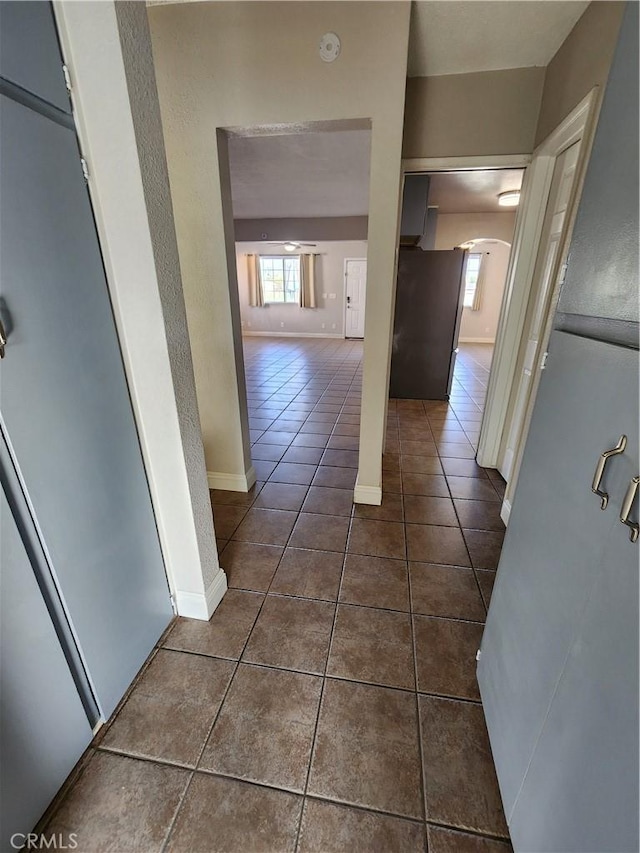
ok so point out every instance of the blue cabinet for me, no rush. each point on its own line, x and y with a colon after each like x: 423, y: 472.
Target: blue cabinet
x: 70, y: 455
x: 558, y: 671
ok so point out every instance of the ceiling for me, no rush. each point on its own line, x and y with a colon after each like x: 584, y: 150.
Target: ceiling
x: 462, y: 36
x: 472, y: 192
x: 300, y: 175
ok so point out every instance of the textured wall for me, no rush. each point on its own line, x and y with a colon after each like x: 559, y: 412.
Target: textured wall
x: 308, y: 230
x: 138, y: 59
x: 484, y: 113
x: 604, y: 246
x: 582, y: 62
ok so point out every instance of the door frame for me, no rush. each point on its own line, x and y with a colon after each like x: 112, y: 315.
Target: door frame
x: 523, y: 253
x: 578, y: 126
x: 536, y: 186
x: 344, y: 310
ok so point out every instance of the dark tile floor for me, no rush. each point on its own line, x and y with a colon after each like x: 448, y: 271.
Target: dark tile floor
x: 331, y: 703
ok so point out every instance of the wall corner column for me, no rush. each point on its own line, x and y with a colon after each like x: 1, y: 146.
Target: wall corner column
x: 108, y: 52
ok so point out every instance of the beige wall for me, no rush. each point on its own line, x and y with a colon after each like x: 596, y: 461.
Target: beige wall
x: 456, y: 228
x: 582, y: 62
x: 145, y: 110
x: 225, y: 65
x: 328, y: 228
x: 485, y: 113
x: 511, y: 111
x: 327, y: 319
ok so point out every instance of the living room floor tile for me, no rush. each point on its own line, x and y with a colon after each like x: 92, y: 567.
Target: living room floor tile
x: 290, y: 721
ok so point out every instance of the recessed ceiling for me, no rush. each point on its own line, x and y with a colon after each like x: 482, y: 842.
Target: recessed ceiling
x: 300, y: 175
x: 462, y: 36
x: 473, y: 191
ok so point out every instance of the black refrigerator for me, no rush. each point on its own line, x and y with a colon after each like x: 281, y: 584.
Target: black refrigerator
x: 429, y: 296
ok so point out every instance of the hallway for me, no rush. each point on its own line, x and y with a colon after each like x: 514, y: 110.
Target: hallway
x: 469, y: 388
x: 331, y: 703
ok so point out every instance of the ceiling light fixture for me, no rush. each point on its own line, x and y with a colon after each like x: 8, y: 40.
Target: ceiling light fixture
x: 509, y: 199
x: 290, y: 247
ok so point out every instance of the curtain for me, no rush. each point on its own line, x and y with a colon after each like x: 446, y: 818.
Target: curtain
x: 477, y: 296
x: 256, y: 296
x: 307, y: 281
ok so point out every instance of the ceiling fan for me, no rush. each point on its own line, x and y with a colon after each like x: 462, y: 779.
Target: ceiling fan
x: 290, y: 245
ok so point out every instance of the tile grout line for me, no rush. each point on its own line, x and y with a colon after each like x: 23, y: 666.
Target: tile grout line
x: 424, y: 822
x: 423, y: 779
x: 284, y: 547
x: 210, y: 730
x: 226, y: 692
x: 324, y: 676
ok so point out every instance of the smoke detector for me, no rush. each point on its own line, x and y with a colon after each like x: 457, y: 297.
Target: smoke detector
x: 329, y: 47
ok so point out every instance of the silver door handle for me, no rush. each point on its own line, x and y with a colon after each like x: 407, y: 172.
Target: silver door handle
x: 602, y: 464
x: 3, y: 339
x: 625, y: 509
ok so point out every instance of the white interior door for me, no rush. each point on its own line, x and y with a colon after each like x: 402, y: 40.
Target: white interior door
x: 355, y: 274
x: 546, y: 282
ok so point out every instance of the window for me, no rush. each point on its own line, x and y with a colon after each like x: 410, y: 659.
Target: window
x: 471, y: 276
x: 280, y: 278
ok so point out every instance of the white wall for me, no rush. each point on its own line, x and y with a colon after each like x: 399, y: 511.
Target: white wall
x: 456, y: 228
x: 253, y: 64
x: 327, y: 318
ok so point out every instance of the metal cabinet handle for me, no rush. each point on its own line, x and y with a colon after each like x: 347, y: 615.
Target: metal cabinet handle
x: 3, y: 339
x: 602, y: 464
x: 627, y: 503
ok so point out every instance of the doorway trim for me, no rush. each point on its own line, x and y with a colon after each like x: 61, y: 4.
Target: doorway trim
x: 455, y: 164
x: 344, y: 311
x: 578, y: 126
x: 529, y: 221
x: 523, y: 251
x: 580, y: 123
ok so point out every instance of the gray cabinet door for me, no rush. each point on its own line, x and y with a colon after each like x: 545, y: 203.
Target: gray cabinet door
x: 29, y: 53
x: 66, y: 405
x: 581, y: 789
x: 555, y: 543
x: 43, y: 726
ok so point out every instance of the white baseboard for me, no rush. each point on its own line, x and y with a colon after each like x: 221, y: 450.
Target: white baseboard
x: 371, y: 495
x: 201, y: 605
x: 232, y: 482
x: 249, y: 334
x: 505, y: 511
x: 476, y: 340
